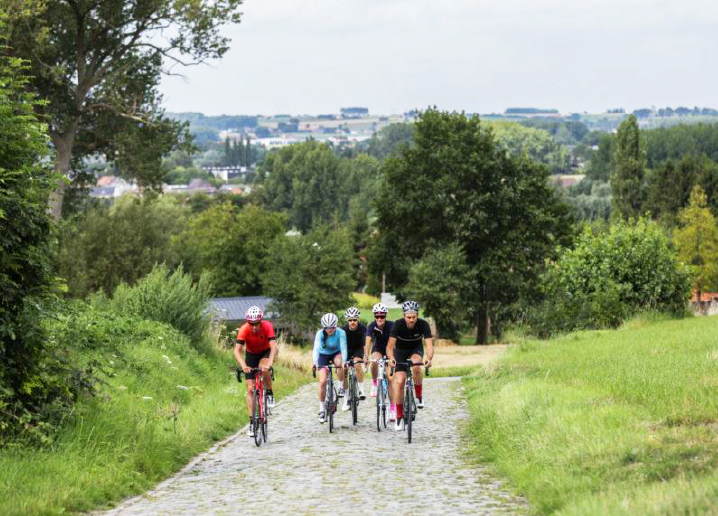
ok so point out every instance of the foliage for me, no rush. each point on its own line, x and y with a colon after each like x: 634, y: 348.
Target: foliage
x: 309, y: 275
x: 443, y: 284
x: 121, y: 244
x: 390, y: 139
x: 669, y: 186
x: 590, y: 199
x: 680, y: 140
x: 99, y: 70
x: 28, y: 387
x: 697, y: 240
x: 603, y: 162
x: 609, y: 276
x: 536, y: 144
x: 627, y: 179
x: 168, y: 297
x: 458, y: 186
x: 304, y: 180
x: 231, y: 246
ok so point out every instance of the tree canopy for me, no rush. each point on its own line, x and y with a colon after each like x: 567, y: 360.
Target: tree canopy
x: 98, y: 64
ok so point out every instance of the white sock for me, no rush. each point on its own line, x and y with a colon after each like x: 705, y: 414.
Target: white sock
x: 321, y: 406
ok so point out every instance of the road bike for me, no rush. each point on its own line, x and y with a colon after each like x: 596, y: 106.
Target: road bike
x: 330, y: 397
x: 353, y: 387
x: 260, y: 406
x: 409, y: 400
x: 382, y: 393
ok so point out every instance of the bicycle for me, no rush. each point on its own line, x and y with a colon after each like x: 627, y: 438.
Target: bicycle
x: 353, y: 394
x: 409, y: 401
x: 260, y: 408
x: 330, y: 398
x: 382, y: 393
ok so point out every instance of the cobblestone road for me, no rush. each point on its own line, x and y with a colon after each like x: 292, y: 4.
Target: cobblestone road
x: 303, y: 469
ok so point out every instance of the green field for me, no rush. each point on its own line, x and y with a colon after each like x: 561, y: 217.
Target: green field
x: 606, y: 422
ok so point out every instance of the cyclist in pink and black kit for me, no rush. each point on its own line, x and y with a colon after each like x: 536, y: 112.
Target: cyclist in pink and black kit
x: 377, y: 337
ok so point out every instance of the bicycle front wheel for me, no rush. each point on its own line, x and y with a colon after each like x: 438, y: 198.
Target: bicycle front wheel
x: 379, y: 407
x: 408, y: 409
x: 385, y: 401
x: 265, y: 416
x: 330, y: 404
x: 354, y: 399
x: 256, y: 419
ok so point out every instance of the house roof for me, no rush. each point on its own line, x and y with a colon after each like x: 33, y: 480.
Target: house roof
x: 234, y: 308
x: 706, y: 297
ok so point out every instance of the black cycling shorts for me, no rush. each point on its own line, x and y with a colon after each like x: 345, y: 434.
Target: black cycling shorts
x: 402, y: 355
x: 325, y: 360
x: 358, y: 353
x: 252, y: 359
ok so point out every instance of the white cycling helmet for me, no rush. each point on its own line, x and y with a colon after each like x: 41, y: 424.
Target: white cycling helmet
x: 352, y: 313
x: 329, y: 320
x: 410, y: 306
x: 253, y: 314
x: 380, y: 308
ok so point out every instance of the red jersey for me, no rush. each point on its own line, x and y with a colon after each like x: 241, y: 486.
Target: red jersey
x: 256, y: 342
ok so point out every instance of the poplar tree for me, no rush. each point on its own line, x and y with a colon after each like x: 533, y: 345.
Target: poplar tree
x: 627, y: 178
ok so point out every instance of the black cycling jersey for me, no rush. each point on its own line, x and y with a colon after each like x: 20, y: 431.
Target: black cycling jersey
x: 410, y: 338
x: 379, y: 336
x: 355, y: 339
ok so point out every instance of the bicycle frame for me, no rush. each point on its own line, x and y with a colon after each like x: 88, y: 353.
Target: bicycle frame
x: 260, y: 410
x: 330, y: 397
x: 382, y: 395
x: 353, y: 395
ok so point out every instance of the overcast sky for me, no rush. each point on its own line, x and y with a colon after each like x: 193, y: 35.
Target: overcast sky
x: 483, y: 56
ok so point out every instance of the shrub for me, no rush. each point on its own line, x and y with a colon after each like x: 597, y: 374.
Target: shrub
x: 609, y: 276
x: 170, y: 298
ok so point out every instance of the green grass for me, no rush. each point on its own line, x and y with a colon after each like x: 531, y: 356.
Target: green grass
x: 120, y: 443
x: 606, y: 422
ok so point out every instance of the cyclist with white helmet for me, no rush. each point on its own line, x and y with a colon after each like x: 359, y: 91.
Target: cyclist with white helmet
x: 355, y: 331
x: 256, y: 341
x: 330, y: 346
x: 405, y: 343
x: 376, y: 339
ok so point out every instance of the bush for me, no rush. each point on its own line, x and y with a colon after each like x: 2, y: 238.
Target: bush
x: 170, y: 298
x: 610, y: 276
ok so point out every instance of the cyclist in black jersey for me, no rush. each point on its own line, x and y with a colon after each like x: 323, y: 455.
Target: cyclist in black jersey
x: 405, y: 343
x: 377, y: 337
x: 355, y: 331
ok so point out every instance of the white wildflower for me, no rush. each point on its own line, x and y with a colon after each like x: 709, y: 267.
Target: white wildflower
x: 146, y: 397
x: 165, y: 357
x: 183, y: 387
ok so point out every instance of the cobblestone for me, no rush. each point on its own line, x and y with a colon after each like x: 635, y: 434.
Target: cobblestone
x: 303, y: 469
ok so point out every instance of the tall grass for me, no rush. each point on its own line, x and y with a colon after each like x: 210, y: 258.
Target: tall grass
x: 168, y: 297
x: 606, y: 422
x: 161, y: 402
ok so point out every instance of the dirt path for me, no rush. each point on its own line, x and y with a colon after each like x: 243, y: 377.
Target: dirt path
x: 304, y: 469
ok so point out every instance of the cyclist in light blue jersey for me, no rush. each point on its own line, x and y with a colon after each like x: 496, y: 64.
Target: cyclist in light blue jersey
x: 330, y: 346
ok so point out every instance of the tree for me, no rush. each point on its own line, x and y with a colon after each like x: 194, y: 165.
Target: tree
x: 389, y: 139
x: 231, y: 246
x: 456, y: 185
x: 627, y: 179
x: 98, y: 64
x: 536, y: 144
x: 308, y: 275
x: 106, y: 247
x: 443, y: 283
x: 697, y: 240
x: 304, y: 180
x: 25, y: 269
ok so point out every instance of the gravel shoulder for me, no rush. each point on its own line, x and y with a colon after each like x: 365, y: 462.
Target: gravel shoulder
x: 303, y: 469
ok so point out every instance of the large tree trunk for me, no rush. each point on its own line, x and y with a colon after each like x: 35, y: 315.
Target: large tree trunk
x: 63, y: 147
x: 482, y: 317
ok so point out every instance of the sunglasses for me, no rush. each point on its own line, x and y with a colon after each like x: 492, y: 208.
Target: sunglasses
x: 254, y: 323
x: 352, y: 320
x: 380, y: 317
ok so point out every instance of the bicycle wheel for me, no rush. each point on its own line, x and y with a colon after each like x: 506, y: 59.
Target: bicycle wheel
x: 354, y: 399
x: 330, y: 404
x: 408, y: 413
x: 256, y: 413
x: 379, y: 407
x: 265, y: 416
x: 385, y: 401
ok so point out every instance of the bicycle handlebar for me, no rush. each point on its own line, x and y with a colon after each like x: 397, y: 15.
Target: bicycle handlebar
x: 253, y: 371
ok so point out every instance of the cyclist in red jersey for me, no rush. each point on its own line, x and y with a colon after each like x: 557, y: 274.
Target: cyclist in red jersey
x: 256, y: 336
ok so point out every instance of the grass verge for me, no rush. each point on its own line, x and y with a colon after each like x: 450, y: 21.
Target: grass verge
x: 162, y: 403
x: 605, y: 422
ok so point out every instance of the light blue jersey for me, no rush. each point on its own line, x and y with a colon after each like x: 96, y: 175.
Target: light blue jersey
x: 331, y: 345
